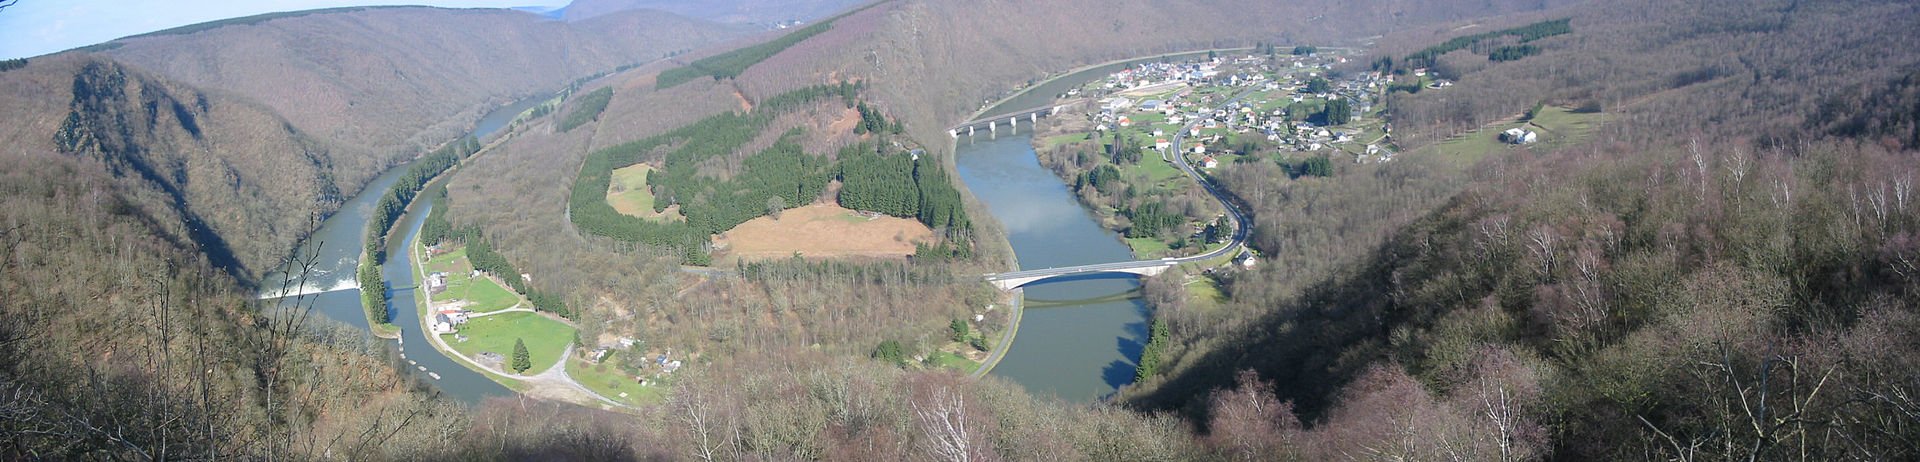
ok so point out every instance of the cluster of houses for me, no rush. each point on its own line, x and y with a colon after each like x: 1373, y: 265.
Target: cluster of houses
x: 1361, y: 90
x: 447, y: 319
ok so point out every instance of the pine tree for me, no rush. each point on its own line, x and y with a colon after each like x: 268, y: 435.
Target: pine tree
x: 521, y: 359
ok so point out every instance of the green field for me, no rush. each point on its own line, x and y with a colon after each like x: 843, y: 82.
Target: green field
x: 1062, y: 140
x: 952, y: 361
x: 545, y: 338
x: 1147, y: 247
x: 610, y: 381
x: 483, y: 295
x: 1561, y: 126
x: 1205, y: 293
x: 627, y: 192
x: 1557, y: 127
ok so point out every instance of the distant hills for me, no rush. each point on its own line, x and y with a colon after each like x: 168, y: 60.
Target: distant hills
x: 257, y: 126
x: 759, y: 12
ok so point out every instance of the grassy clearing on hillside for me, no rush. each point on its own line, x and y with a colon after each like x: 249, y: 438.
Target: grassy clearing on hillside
x: 1147, y: 247
x: 1557, y: 126
x: 545, y: 337
x: 629, y: 195
x: 1204, y: 292
x: 944, y: 359
x: 1062, y: 140
x: 823, y: 230
x: 610, y: 381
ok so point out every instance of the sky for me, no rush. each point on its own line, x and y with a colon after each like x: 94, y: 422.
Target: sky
x: 37, y: 27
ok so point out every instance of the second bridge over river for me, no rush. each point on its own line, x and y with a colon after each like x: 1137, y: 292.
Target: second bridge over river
x: 1011, y: 120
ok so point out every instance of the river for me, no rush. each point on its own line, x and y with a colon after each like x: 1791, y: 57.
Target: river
x: 1048, y: 91
x: 1080, y: 336
x: 504, y: 115
x: 336, y: 249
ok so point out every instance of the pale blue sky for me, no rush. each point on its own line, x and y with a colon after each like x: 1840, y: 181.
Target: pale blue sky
x: 37, y: 27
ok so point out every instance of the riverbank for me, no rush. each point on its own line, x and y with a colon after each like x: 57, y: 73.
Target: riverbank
x: 1016, y: 300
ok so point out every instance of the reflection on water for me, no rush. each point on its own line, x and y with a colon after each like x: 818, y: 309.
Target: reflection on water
x: 1082, y: 335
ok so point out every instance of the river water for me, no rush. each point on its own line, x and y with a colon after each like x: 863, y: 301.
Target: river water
x: 332, y: 291
x: 502, y: 116
x: 455, y: 381
x: 1081, y: 336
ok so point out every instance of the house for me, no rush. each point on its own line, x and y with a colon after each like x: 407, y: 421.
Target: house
x: 1151, y: 105
x: 454, y: 315
x: 441, y: 325
x: 1207, y: 162
x: 1517, y: 135
x: 1246, y: 259
x: 436, y: 282
x: 1159, y: 132
x: 1126, y: 121
x: 1200, y: 149
x: 1161, y: 144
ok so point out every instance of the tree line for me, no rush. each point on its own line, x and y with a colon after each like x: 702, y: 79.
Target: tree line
x: 394, y: 202
x: 587, y: 109
x: 730, y: 64
x: 781, y: 176
x: 1527, y: 33
x: 436, y: 230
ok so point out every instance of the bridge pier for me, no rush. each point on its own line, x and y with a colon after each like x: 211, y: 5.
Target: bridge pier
x: 953, y: 133
x: 993, y: 126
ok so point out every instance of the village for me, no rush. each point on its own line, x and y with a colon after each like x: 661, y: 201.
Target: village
x: 1293, y: 104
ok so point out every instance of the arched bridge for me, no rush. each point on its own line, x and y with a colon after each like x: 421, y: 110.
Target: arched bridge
x: 1015, y: 279
x: 1010, y: 119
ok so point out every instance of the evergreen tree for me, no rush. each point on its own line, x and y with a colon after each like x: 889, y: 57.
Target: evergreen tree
x: 1319, y: 85
x: 960, y: 330
x: 1337, y: 112
x: 891, y: 352
x: 521, y: 359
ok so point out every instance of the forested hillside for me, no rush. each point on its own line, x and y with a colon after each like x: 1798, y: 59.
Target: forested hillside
x: 241, y: 211
x: 259, y: 127
x: 383, y: 83
x: 1712, y: 275
x: 1724, y: 268
x: 761, y: 12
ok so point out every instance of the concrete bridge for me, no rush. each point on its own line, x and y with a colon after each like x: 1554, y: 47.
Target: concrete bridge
x: 1011, y: 120
x: 1016, y: 279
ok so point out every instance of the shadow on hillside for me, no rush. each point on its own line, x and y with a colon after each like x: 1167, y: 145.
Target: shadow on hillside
x: 1310, y: 345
